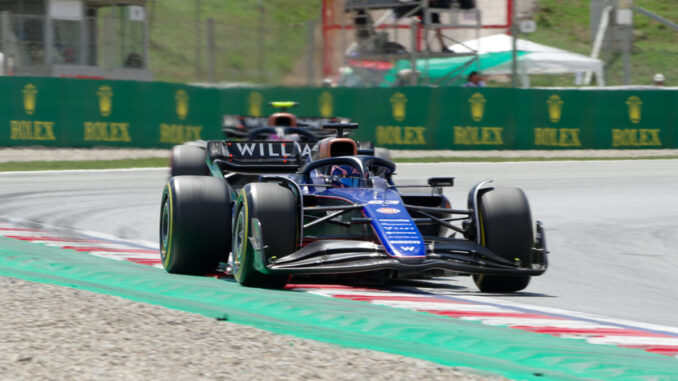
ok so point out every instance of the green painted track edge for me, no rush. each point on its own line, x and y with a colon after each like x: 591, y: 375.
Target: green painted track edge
x: 453, y: 342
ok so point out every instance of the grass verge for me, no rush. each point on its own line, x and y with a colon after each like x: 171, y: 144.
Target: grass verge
x: 92, y: 164
x: 162, y: 162
x: 254, y: 41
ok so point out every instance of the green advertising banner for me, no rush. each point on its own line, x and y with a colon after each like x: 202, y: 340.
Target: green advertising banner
x: 557, y: 119
x: 472, y: 118
x: 398, y: 118
x: 179, y: 113
x: 32, y: 114
x: 89, y: 113
x: 104, y: 113
x: 635, y: 119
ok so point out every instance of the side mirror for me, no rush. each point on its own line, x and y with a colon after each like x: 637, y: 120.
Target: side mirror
x: 340, y: 127
x: 441, y: 181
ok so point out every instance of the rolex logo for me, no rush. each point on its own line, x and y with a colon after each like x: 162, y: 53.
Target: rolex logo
x: 326, y: 104
x: 30, y: 95
x: 398, y: 102
x: 634, y: 104
x: 181, y: 99
x: 105, y: 95
x: 477, y: 102
x: 255, y: 100
x: 555, y: 107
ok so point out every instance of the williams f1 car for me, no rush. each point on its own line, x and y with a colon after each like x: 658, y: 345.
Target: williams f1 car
x: 283, y: 125
x: 266, y: 213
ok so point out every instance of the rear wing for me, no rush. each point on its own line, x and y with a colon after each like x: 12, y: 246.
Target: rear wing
x: 254, y: 156
x: 237, y: 126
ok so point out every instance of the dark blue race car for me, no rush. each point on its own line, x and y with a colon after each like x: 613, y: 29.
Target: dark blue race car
x: 265, y: 212
x: 283, y: 125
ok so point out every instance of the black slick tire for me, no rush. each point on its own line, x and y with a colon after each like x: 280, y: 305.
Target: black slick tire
x: 188, y: 160
x: 195, y: 224
x: 275, y: 207
x: 506, y: 229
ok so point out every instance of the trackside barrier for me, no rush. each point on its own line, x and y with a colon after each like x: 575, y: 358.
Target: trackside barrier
x: 84, y: 113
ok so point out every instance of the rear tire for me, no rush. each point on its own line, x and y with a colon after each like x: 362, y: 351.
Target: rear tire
x: 506, y: 229
x: 195, y: 224
x: 276, y: 209
x: 188, y: 160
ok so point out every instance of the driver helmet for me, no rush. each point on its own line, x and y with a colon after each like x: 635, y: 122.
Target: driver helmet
x: 345, y: 176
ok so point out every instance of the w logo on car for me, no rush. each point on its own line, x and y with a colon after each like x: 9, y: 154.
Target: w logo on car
x: 407, y: 248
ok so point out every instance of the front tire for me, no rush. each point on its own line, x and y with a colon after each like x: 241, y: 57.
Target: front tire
x: 275, y: 207
x: 195, y: 224
x: 506, y: 229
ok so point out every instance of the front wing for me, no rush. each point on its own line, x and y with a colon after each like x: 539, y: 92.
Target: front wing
x: 348, y: 256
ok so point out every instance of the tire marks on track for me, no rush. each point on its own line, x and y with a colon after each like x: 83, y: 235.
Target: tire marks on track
x: 82, y: 242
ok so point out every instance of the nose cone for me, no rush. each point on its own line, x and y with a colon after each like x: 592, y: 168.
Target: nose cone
x: 394, y: 226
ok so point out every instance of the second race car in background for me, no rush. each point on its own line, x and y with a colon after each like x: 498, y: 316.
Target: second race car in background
x: 284, y: 125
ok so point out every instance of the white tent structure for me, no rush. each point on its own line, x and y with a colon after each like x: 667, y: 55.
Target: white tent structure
x: 534, y: 59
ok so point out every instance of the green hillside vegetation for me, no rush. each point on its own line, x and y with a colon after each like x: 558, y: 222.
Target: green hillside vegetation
x: 240, y: 56
x: 238, y: 28
x: 565, y: 24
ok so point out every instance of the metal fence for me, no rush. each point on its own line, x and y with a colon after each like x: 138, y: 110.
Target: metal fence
x: 272, y: 53
x: 263, y: 54
x: 269, y: 50
x: 195, y: 47
x: 89, y: 47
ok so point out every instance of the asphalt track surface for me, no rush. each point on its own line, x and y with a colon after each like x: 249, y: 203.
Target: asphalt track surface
x: 611, y: 226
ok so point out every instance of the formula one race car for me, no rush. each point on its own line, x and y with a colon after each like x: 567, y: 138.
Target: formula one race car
x: 283, y: 125
x: 268, y: 214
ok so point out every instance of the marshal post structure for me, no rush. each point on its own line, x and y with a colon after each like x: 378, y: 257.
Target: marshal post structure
x: 65, y: 112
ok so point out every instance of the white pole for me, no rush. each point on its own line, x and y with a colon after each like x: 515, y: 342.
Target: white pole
x: 598, y: 41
